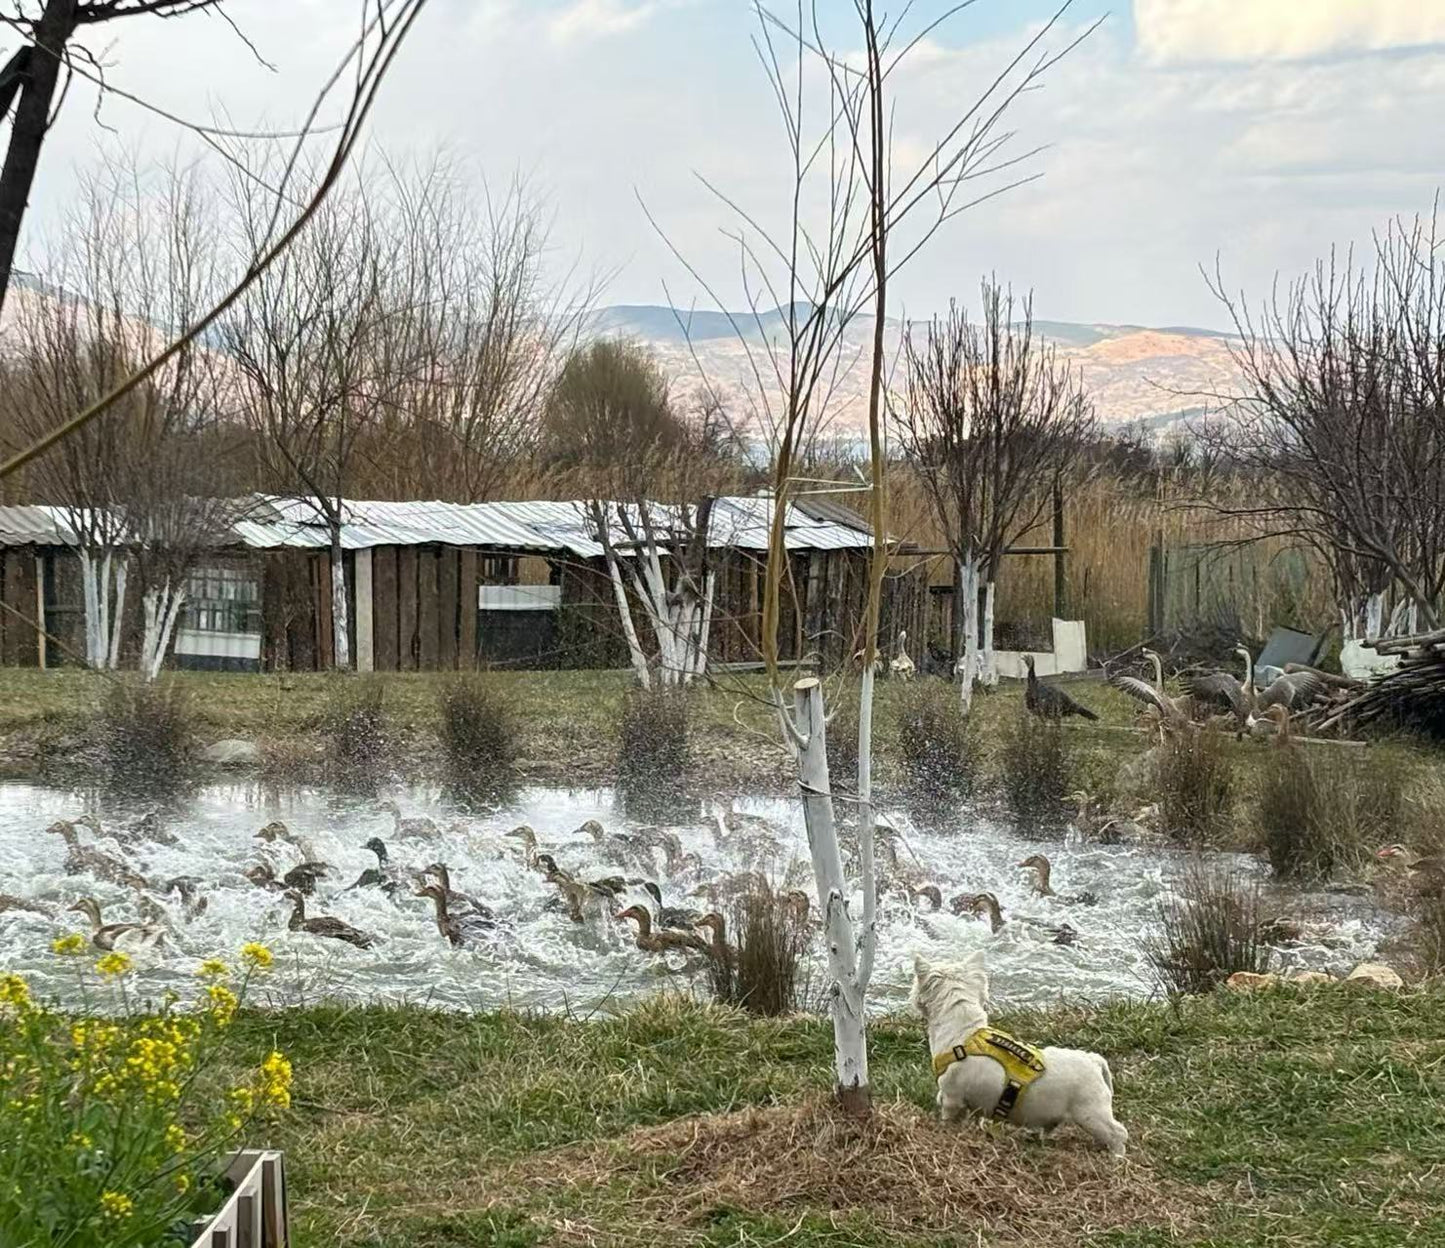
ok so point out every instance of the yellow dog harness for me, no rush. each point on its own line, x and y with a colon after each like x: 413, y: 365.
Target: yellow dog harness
x: 1022, y: 1063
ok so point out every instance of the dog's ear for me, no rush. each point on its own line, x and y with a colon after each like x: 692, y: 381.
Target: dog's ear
x: 975, y: 961
x: 921, y: 966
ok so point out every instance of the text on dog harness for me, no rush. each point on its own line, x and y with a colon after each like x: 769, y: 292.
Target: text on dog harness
x: 1022, y: 1063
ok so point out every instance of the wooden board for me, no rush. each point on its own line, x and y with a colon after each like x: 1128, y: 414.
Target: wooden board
x: 406, y: 638
x: 325, y: 641
x: 383, y: 608
x: 427, y: 613
x: 447, y: 589
x: 467, y: 610
x: 19, y: 638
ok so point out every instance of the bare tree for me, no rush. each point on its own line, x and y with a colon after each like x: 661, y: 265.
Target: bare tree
x: 317, y: 343
x: 989, y: 420
x: 1340, y: 434
x: 34, y: 73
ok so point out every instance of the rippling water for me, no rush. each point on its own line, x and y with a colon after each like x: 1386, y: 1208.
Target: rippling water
x: 539, y: 958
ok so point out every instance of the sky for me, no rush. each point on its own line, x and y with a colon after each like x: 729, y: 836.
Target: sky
x: 1251, y: 135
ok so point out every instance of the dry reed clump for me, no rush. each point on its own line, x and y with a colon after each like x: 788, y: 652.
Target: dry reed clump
x: 354, y: 728
x: 145, y: 739
x: 653, y: 752
x: 1323, y: 811
x: 1035, y: 770
x: 899, y: 1167
x: 769, y: 939
x: 935, y: 748
x: 1194, y: 778
x: 478, y: 730
x: 1207, y: 930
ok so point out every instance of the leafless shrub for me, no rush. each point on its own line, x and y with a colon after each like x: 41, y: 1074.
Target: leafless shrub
x: 145, y: 739
x: 1036, y: 770
x: 760, y: 972
x: 1323, y: 813
x: 354, y: 727
x: 1193, y: 776
x: 478, y: 731
x: 1207, y: 930
x: 653, y: 752
x: 935, y: 748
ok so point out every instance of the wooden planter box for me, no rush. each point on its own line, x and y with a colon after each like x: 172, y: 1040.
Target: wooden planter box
x: 254, y: 1215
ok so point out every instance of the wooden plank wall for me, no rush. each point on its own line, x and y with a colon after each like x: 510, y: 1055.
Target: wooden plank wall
x: 408, y: 644
x: 448, y: 584
x: 427, y: 614
x: 19, y: 642
x: 383, y: 608
x: 467, y: 608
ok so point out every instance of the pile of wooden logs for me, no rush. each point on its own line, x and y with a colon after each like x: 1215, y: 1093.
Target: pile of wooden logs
x: 1411, y: 696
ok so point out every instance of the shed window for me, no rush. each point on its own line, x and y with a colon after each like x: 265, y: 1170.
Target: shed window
x: 222, y: 600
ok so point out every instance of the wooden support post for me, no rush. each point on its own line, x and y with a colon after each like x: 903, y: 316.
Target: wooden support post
x: 365, y: 606
x: 384, y: 610
x: 40, y: 610
x: 406, y: 634
x: 1061, y: 586
x: 427, y: 607
x: 467, y: 604
x: 325, y: 634
x: 447, y: 625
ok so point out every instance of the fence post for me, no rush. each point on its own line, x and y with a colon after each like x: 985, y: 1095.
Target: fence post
x: 1156, y: 625
x: 1061, y: 594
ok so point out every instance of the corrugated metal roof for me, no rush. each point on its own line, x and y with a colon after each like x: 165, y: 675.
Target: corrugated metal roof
x: 545, y: 526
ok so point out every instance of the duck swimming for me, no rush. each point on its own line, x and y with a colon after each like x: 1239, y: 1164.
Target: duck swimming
x: 415, y: 827
x: 88, y: 860
x: 106, y: 936
x: 1042, y: 869
x: 671, y: 916
x: 324, y: 925
x: 456, y: 929
x: 277, y: 832
x: 719, y: 949
x: 384, y: 875
x: 463, y: 903
x: 664, y: 940
x: 981, y: 904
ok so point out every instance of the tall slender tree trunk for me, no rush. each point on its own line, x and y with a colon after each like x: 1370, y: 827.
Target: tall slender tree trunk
x: 32, y: 121
x: 117, y: 618
x: 968, y: 666
x: 988, y: 665
x: 340, y: 630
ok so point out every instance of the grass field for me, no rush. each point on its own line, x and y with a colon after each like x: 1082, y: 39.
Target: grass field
x: 1297, y: 1118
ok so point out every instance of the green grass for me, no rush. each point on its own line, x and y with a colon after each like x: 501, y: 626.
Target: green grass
x: 1298, y: 1117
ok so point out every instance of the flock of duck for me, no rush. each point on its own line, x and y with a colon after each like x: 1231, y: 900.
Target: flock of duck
x: 644, y: 891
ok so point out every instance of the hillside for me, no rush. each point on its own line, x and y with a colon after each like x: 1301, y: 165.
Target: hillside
x: 1156, y: 377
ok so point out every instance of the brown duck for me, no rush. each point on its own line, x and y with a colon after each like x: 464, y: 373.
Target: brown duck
x: 323, y: 924
x: 104, y: 935
x: 662, y: 940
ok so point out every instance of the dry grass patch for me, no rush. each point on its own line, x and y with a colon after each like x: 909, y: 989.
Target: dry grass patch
x: 899, y: 1171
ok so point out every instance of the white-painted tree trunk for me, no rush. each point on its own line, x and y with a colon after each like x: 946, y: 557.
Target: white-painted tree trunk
x: 160, y: 609
x: 988, y: 665
x: 340, y: 630
x: 117, y: 617
x: 845, y: 991
x: 968, y: 665
x: 709, y: 594
x: 90, y: 591
x: 1363, y: 618
x: 868, y: 937
x: 629, y: 633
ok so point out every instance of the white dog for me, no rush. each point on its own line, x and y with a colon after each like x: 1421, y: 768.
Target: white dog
x: 1073, y: 1086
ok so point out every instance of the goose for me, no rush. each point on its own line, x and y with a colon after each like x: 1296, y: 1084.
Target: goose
x: 323, y: 924
x: 1049, y: 701
x: 457, y: 929
x: 662, y: 940
x: 901, y: 666
x: 87, y: 859
x: 718, y: 948
x: 463, y: 903
x: 277, y: 832
x: 9, y: 902
x: 670, y: 916
x: 106, y: 936
x: 414, y: 827
x: 1042, y: 869
x: 1172, y: 712
x: 987, y: 904
x: 384, y: 875
x: 1273, y: 725
x: 1293, y: 690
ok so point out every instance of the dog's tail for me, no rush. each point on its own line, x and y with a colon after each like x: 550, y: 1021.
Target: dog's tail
x: 1108, y: 1076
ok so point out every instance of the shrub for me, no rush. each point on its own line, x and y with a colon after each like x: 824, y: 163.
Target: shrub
x: 478, y: 731
x: 1207, y: 930
x: 1194, y: 779
x: 1036, y: 770
x: 354, y: 728
x: 1322, y: 810
x: 843, y: 741
x: 113, y: 1119
x: 935, y: 747
x: 653, y: 752
x: 145, y: 738
x: 770, y: 937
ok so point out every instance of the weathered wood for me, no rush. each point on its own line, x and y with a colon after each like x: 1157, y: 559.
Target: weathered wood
x: 467, y: 610
x: 447, y: 577
x: 383, y: 608
x: 407, y: 642
x: 325, y: 638
x: 426, y: 608
x: 21, y: 644
x: 364, y: 612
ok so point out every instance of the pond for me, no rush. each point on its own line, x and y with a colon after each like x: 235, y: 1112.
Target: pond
x: 539, y: 958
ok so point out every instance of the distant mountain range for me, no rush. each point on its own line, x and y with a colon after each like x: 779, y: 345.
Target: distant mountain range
x: 1136, y: 375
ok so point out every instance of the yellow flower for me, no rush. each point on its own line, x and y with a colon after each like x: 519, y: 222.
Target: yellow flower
x: 116, y: 1206
x: 276, y: 1081
x: 80, y: 1140
x: 212, y: 968
x: 257, y: 957
x: 72, y: 944
x: 183, y: 1183
x: 176, y: 1138
x: 14, y: 991
x: 113, y: 964
x: 223, y: 1003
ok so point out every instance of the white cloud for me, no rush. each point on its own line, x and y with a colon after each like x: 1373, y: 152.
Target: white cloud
x: 592, y: 19
x: 1173, y: 31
